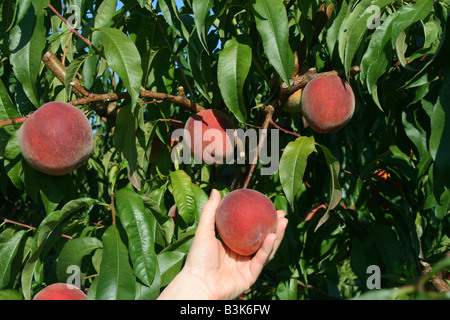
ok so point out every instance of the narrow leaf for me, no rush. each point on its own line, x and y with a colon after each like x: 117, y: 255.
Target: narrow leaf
x: 139, y: 226
x: 293, y: 164
x: 234, y: 64
x: 116, y: 280
x: 123, y: 57
x: 181, y: 190
x: 200, y: 10
x: 273, y: 26
x: 8, y: 250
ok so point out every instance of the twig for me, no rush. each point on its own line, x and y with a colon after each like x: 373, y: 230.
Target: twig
x: 59, y: 70
x: 31, y: 227
x: 284, y: 130
x: 10, y: 122
x: 113, y: 209
x: 436, y: 282
x: 108, y: 97
x: 72, y: 29
x: 270, y: 110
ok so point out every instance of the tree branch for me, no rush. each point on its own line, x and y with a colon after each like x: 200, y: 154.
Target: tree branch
x: 109, y: 97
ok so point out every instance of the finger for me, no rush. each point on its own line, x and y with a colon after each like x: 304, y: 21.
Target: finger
x: 262, y: 256
x: 208, y: 215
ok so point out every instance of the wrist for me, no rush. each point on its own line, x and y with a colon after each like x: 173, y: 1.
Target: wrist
x: 186, y: 286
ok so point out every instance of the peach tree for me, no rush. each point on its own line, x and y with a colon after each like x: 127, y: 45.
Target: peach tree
x: 367, y: 202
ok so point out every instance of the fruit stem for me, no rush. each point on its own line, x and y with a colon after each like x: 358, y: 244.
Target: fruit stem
x: 9, y: 122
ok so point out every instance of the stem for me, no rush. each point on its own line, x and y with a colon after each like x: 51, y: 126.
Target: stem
x: 113, y: 209
x: 270, y: 110
x: 31, y: 227
x: 10, y: 122
x: 72, y: 29
x: 284, y: 130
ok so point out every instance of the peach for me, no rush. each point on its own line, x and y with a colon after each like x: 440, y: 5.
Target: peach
x: 60, y: 291
x: 328, y: 103
x: 208, y: 139
x: 56, y: 139
x: 244, y: 218
x: 293, y: 103
x: 173, y: 212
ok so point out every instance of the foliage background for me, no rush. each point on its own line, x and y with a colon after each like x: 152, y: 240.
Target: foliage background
x: 374, y: 193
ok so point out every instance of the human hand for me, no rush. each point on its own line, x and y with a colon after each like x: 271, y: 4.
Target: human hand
x: 212, y: 270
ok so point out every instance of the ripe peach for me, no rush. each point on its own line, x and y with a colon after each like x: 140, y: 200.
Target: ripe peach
x: 208, y: 139
x: 293, y: 103
x: 328, y: 103
x: 244, y: 218
x: 56, y: 139
x: 60, y: 291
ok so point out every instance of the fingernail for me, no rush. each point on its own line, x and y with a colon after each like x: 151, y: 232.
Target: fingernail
x: 214, y: 194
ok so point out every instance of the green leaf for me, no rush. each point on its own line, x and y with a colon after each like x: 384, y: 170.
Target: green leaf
x: 348, y: 24
x: 440, y: 130
x: 27, y: 45
x: 124, y: 59
x: 125, y: 141
x: 232, y: 70
x: 139, y: 226
x: 72, y: 254
x: 72, y: 71
x: 293, y: 164
x: 378, y: 56
x: 407, y: 16
x: 103, y: 18
x: 356, y: 27
x: 116, y: 280
x: 273, y: 26
x: 181, y: 189
x: 200, y: 10
x: 43, y: 232
x: 13, y: 160
x: 8, y: 250
x: 7, y: 111
x: 170, y: 263
x: 335, y: 193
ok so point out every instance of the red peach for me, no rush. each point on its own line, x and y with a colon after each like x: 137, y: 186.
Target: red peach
x: 244, y: 218
x: 328, y: 103
x: 60, y: 291
x: 208, y: 139
x: 56, y: 139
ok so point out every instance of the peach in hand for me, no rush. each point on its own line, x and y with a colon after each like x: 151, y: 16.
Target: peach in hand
x: 244, y: 218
